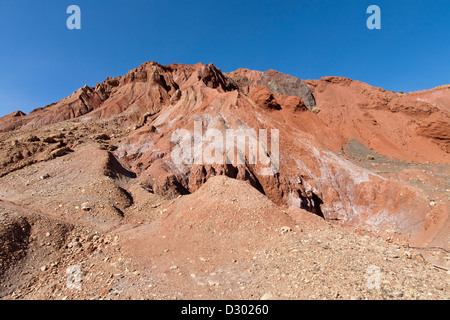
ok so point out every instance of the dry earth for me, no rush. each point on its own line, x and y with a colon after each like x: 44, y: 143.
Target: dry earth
x: 92, y: 207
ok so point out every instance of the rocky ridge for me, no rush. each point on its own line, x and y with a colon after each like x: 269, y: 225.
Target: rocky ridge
x: 363, y: 158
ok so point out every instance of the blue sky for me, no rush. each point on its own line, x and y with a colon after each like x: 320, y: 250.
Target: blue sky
x: 41, y: 61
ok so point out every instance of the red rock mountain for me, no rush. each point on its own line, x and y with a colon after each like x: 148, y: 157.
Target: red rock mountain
x: 366, y: 158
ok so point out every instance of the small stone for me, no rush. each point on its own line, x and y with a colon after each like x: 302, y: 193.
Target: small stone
x: 49, y: 140
x: 397, y: 294
x: 33, y: 139
x: 43, y: 268
x: 267, y: 296
x: 102, y: 136
x: 45, y: 176
x: 213, y: 283
x: 315, y: 110
x: 60, y: 152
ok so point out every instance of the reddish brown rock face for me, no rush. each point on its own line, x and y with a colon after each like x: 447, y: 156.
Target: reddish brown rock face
x: 405, y: 127
x: 356, y: 159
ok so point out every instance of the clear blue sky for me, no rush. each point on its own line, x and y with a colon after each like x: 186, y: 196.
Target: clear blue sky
x: 41, y: 61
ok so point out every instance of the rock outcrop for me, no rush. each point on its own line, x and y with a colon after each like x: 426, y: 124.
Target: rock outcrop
x: 153, y: 106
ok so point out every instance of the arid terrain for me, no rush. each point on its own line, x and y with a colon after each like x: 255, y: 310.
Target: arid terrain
x: 94, y: 206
